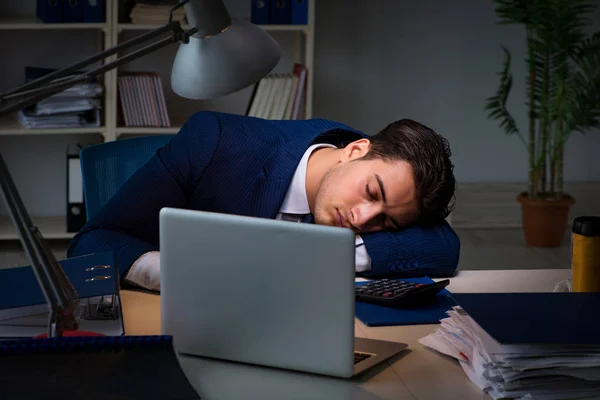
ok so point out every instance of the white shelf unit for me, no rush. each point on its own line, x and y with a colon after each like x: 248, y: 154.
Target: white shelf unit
x: 110, y: 34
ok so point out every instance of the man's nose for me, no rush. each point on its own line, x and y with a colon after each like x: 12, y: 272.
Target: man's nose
x: 364, y: 214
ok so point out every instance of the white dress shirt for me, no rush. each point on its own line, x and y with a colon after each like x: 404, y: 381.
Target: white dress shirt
x: 145, y: 271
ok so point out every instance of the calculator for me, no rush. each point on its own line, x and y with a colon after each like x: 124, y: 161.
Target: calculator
x: 397, y: 293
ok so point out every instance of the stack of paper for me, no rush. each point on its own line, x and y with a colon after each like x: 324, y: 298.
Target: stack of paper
x: 505, y: 360
x: 75, y: 107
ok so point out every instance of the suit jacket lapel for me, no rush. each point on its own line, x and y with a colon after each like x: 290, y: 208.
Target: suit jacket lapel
x: 273, y: 181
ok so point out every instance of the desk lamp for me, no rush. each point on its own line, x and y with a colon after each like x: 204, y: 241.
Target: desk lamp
x: 218, y: 55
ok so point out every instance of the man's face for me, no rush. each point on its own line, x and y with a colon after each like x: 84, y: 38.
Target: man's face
x: 366, y: 195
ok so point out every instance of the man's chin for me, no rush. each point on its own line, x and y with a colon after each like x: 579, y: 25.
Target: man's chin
x: 323, y: 221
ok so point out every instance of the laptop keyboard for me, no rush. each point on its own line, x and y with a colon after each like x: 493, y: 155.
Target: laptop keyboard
x: 358, y: 356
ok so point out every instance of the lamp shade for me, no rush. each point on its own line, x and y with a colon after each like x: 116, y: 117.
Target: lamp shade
x: 214, y: 66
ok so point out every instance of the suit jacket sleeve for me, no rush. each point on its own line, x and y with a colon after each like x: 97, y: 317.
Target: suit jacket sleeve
x: 414, y: 251
x: 129, y: 223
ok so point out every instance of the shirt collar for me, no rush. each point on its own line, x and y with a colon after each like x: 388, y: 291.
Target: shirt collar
x: 295, y: 201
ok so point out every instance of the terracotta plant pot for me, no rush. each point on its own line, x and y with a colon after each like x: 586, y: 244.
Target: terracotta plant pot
x: 545, y: 221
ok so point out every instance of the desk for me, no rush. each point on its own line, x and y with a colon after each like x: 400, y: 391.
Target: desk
x: 416, y: 374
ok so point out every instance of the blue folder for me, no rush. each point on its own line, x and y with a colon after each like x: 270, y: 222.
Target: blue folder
x: 91, y: 275
x: 299, y: 12
x: 93, y: 11
x: 281, y: 12
x: 260, y: 12
x: 554, y: 318
x: 374, y: 315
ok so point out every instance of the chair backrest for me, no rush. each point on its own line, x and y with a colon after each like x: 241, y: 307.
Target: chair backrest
x: 106, y: 167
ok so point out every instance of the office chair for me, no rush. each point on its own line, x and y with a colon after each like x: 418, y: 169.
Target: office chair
x: 106, y: 166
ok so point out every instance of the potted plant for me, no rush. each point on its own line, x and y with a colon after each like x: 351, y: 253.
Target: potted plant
x: 563, y: 97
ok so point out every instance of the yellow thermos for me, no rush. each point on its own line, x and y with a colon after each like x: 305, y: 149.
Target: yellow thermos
x: 585, y: 254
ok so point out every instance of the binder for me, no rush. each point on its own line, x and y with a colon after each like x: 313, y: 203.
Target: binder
x: 93, y: 10
x: 23, y: 308
x: 73, y: 11
x: 375, y: 315
x: 299, y: 12
x: 260, y: 12
x: 108, y: 368
x: 50, y: 11
x: 281, y: 13
x: 76, y: 214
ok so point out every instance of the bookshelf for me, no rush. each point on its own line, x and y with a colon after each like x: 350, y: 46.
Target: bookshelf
x: 18, y: 22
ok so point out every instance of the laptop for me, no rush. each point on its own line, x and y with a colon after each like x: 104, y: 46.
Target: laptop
x: 263, y: 291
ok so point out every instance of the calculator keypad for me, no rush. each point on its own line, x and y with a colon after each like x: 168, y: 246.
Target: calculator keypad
x: 387, y: 288
x: 398, y: 293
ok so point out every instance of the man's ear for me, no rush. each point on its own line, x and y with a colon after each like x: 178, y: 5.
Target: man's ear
x: 353, y: 150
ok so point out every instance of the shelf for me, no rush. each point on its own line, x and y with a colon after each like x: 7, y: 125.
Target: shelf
x: 288, y: 28
x: 50, y: 227
x: 146, y: 130
x: 34, y: 23
x: 11, y: 126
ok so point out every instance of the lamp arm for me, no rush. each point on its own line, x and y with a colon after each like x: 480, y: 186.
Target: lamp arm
x: 170, y: 26
x: 60, y: 294
x: 33, y: 92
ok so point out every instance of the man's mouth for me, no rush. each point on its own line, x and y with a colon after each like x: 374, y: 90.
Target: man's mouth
x: 341, y: 219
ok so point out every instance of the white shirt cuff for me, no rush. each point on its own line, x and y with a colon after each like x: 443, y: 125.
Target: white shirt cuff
x: 363, y: 261
x: 145, y: 271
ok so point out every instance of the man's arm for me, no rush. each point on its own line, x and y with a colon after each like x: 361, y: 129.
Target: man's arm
x: 413, y: 251
x: 129, y: 223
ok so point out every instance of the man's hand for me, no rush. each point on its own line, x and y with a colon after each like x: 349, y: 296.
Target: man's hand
x: 145, y: 271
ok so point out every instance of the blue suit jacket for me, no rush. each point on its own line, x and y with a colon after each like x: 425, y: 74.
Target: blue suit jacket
x: 242, y: 165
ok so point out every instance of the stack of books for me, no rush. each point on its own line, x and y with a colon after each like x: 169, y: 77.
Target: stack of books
x: 142, y: 100
x: 542, y: 346
x: 280, y: 96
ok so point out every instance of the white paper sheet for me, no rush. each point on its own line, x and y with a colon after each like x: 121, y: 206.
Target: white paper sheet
x: 517, y: 371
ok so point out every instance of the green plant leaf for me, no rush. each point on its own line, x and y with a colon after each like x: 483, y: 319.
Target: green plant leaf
x: 496, y: 105
x: 583, y: 91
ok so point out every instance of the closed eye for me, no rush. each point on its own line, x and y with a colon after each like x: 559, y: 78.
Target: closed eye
x: 370, y: 194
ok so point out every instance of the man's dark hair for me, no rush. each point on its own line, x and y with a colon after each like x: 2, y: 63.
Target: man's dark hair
x: 429, y: 155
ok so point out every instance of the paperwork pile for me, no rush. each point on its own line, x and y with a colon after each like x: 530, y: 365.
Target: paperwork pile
x: 76, y: 107
x: 507, y: 362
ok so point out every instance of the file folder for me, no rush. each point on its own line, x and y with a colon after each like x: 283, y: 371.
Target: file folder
x: 281, y: 12
x: 260, y: 12
x: 50, y: 11
x: 375, y: 315
x: 23, y: 308
x: 93, y: 10
x: 299, y: 12
x: 554, y: 318
x: 76, y: 214
x: 93, y: 368
x: 73, y: 11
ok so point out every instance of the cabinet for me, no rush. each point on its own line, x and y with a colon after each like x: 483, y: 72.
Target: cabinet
x: 36, y: 158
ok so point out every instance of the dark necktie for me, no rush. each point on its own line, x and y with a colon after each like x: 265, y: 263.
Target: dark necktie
x: 308, y: 219
x: 304, y: 218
